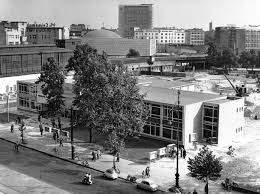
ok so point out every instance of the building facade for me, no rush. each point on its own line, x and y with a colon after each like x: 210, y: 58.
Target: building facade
x: 161, y: 35
x: 132, y: 16
x: 45, y: 33
x: 12, y: 33
x: 195, y: 36
x: 19, y: 62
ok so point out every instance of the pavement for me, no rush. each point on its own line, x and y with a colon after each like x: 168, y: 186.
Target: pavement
x: 162, y: 171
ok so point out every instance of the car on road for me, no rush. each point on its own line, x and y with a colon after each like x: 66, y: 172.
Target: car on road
x: 147, y: 185
x: 111, y: 174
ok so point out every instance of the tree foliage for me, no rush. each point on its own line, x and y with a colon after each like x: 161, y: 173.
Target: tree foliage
x: 106, y: 96
x: 205, y: 165
x: 133, y: 53
x: 212, y: 55
x: 226, y: 59
x: 115, y: 143
x: 52, y: 79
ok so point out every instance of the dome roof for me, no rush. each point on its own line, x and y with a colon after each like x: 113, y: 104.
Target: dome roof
x: 101, y: 34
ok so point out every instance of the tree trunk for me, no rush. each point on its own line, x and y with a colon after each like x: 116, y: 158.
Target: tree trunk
x: 90, y: 135
x: 206, y: 189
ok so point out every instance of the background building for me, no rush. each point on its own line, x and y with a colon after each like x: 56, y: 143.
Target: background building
x: 12, y: 33
x: 114, y: 45
x: 161, y: 35
x: 26, y: 61
x: 195, y: 36
x: 45, y: 33
x: 131, y: 16
x: 78, y: 30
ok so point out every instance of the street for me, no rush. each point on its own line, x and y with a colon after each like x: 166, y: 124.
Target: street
x: 58, y: 173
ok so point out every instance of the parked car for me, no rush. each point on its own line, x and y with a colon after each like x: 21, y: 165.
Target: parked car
x: 148, y: 185
x: 110, y: 174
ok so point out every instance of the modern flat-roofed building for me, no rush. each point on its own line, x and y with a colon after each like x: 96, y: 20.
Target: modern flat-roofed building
x: 199, y: 116
x: 45, y: 33
x: 162, y: 35
x: 21, y: 62
x: 195, y: 36
x: 111, y: 43
x: 132, y: 16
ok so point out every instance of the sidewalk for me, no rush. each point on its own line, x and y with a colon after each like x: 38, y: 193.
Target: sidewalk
x: 162, y: 171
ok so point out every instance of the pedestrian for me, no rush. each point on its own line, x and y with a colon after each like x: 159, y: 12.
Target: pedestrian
x: 98, y: 153
x: 195, y: 192
x: 93, y: 156
x: 54, y: 135
x: 57, y: 135
x: 117, y: 156
x: 18, y: 120
x: 143, y: 174
x: 181, y: 151
x: 12, y: 128
x: 16, y: 146
x: 206, y: 189
x: 41, y: 128
x: 184, y: 153
x: 39, y: 118
x: 61, y: 141
x: 147, y: 171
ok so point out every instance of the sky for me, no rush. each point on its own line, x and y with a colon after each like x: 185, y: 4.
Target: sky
x: 167, y: 13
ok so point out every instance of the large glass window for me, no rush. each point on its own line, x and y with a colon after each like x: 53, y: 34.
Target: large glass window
x: 23, y: 88
x: 152, y: 129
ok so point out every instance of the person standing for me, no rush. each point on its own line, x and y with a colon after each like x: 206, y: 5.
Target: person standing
x: 41, y: 129
x: 147, y: 171
x: 117, y: 156
x: 98, y: 153
x: 184, y: 153
x: 61, y: 141
x: 12, y: 128
x: 181, y: 151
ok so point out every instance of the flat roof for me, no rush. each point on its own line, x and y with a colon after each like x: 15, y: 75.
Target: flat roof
x: 160, y: 82
x: 68, y: 80
x: 220, y: 101
x: 169, y: 96
x: 34, y: 50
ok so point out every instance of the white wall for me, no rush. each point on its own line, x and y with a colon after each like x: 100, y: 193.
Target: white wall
x: 230, y: 120
x: 12, y: 81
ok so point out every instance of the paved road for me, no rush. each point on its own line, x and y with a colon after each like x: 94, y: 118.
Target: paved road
x: 58, y: 173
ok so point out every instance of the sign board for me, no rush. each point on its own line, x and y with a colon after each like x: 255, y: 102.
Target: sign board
x: 152, y: 155
x: 47, y: 129
x: 64, y: 133
x: 162, y: 151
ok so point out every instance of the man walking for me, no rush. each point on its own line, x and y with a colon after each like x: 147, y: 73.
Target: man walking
x: 184, y: 153
x: 41, y: 128
x: 12, y: 128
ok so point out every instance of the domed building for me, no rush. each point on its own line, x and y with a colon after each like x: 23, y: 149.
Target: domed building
x: 97, y: 34
x: 111, y: 43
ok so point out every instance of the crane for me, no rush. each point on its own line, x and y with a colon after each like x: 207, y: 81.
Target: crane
x: 240, y: 91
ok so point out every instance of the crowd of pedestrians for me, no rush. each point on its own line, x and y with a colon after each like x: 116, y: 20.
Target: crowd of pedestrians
x: 96, y: 154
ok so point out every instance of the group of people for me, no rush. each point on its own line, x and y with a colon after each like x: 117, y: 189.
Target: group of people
x: 173, y: 152
x: 96, y: 154
x: 57, y: 137
x: 146, y: 172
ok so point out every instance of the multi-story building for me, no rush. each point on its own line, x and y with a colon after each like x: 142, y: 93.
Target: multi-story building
x: 45, y: 33
x: 161, y: 35
x: 132, y: 16
x: 197, y: 117
x: 12, y: 33
x: 26, y: 61
x: 195, y: 36
x: 238, y: 39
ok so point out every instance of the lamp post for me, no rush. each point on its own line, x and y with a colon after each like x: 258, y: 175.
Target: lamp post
x: 7, y: 101
x: 177, y: 186
x: 71, y: 134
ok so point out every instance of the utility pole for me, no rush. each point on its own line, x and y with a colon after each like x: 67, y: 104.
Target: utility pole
x: 7, y: 100
x: 71, y: 134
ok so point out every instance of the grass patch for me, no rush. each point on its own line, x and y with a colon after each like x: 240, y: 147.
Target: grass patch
x: 12, y: 117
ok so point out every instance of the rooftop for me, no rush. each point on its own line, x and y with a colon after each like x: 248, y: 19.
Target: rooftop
x: 97, y: 34
x: 160, y: 82
x: 32, y: 50
x: 169, y: 96
x: 221, y: 101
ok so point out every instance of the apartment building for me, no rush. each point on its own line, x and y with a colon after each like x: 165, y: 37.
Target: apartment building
x: 161, y: 35
x: 45, y: 33
x: 195, y: 36
x: 132, y: 16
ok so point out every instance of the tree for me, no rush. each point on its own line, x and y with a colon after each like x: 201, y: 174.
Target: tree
x: 212, y: 55
x: 52, y: 87
x: 133, y: 53
x: 253, y: 59
x: 244, y: 59
x: 227, y: 59
x: 205, y: 165
x: 106, y: 96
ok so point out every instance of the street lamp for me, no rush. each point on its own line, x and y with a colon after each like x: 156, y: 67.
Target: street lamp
x: 177, y: 186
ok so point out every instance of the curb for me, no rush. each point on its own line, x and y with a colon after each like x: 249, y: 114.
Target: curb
x: 67, y: 160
